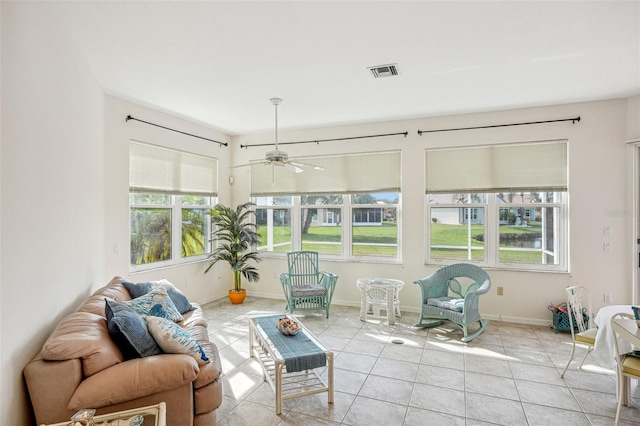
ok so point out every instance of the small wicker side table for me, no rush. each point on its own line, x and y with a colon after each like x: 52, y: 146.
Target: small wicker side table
x: 378, y: 294
x: 158, y: 411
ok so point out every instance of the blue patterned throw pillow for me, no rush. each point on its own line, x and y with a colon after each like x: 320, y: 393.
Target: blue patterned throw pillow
x: 174, y: 339
x: 179, y: 299
x: 156, y: 303
x: 129, y: 331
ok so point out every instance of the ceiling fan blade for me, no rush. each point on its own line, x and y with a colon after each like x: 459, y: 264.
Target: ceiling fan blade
x: 293, y: 167
x: 313, y: 166
x: 255, y: 163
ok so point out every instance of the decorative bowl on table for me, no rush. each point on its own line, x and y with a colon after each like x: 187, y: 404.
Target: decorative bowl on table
x: 288, y: 326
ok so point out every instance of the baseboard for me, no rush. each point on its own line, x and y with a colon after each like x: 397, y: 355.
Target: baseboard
x: 411, y: 309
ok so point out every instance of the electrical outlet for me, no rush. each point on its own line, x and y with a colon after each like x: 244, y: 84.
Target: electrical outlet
x: 608, y: 298
x: 500, y: 291
x: 607, y: 231
x: 608, y: 247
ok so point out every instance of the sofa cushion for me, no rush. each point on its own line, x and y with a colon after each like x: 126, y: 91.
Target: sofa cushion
x: 83, y: 335
x: 179, y: 299
x: 174, y: 339
x: 129, y: 331
x: 133, y: 379
x: 114, y: 290
x: 157, y: 303
x: 193, y: 318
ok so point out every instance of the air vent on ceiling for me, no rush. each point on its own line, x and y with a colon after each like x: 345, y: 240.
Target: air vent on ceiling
x: 388, y: 70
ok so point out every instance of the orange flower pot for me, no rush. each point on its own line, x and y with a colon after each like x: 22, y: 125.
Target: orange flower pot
x: 237, y: 297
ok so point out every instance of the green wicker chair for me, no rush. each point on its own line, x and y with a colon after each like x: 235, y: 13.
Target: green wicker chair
x: 443, y: 298
x: 305, y: 287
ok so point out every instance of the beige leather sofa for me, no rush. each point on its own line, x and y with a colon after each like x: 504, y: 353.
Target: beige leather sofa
x: 88, y: 370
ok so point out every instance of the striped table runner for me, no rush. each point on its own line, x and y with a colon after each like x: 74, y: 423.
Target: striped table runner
x: 299, y: 352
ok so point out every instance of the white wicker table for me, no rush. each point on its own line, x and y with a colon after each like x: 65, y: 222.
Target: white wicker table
x: 285, y: 384
x: 377, y: 294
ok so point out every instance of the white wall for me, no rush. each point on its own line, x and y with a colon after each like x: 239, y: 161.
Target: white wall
x: 598, y: 179
x: 633, y: 118
x: 52, y: 188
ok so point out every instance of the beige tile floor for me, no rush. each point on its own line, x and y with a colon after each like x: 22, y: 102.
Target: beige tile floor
x: 510, y: 375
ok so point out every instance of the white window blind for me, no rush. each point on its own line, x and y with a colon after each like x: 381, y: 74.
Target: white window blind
x: 498, y: 168
x: 343, y: 174
x: 157, y: 169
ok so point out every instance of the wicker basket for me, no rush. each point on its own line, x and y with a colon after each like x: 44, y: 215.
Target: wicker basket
x: 561, y: 318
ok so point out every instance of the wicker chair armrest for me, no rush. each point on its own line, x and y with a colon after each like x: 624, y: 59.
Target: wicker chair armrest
x: 284, y: 278
x: 328, y: 279
x: 432, y: 288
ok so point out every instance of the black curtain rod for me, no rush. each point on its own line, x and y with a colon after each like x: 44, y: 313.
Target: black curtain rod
x: 177, y: 131
x: 573, y: 120
x: 328, y: 140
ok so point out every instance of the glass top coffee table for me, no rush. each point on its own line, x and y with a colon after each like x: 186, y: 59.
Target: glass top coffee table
x: 289, y: 363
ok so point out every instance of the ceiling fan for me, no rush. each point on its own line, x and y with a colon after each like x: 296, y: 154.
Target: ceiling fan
x: 280, y: 158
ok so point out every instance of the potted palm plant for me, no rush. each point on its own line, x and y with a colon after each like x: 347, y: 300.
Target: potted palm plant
x: 237, y: 235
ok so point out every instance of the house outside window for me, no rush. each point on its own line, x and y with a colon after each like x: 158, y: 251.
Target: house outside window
x: 521, y: 228
x: 346, y: 208
x: 170, y: 195
x: 323, y: 226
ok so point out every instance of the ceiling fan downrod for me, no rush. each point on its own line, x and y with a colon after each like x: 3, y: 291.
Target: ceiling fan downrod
x: 276, y: 102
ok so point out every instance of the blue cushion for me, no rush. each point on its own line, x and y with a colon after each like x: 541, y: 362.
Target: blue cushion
x: 156, y: 303
x: 129, y: 331
x: 447, y: 303
x: 177, y: 297
x: 174, y: 339
x: 308, y: 290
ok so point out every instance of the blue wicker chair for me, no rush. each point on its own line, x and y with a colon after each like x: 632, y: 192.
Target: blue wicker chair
x: 443, y: 298
x: 305, y: 287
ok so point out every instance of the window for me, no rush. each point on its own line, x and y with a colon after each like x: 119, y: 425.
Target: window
x: 355, y: 226
x: 168, y: 228
x: 348, y: 210
x: 470, y: 217
x: 170, y: 195
x: 273, y: 220
x: 374, y: 226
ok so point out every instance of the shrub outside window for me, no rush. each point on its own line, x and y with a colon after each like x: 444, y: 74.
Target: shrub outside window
x: 168, y: 229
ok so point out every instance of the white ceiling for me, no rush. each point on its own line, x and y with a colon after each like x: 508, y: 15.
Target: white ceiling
x: 219, y: 63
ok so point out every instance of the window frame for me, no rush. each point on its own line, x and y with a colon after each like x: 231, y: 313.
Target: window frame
x: 346, y: 227
x: 492, y: 233
x: 176, y: 208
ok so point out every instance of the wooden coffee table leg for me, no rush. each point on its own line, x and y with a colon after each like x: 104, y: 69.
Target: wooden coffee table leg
x: 330, y: 376
x: 279, y: 365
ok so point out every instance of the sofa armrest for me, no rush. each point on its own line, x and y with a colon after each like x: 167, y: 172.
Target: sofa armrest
x: 51, y: 385
x: 133, y: 379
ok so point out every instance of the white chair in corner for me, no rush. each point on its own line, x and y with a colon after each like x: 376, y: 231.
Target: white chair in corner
x: 627, y: 367
x: 581, y: 324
